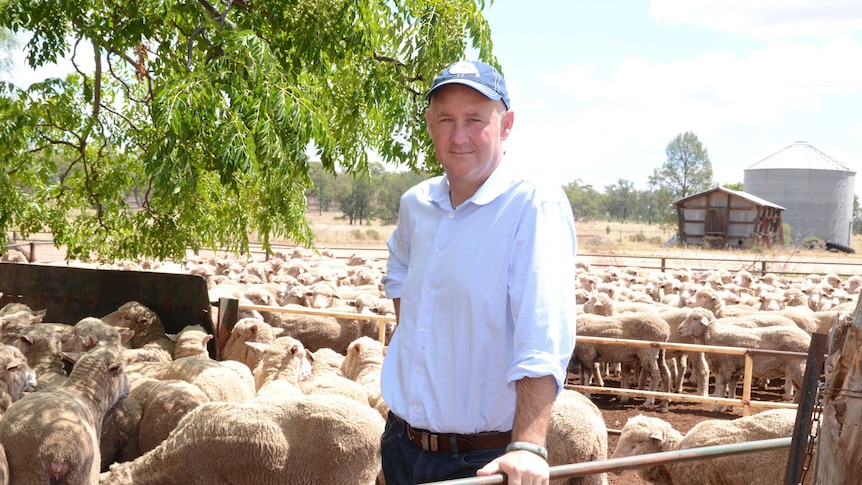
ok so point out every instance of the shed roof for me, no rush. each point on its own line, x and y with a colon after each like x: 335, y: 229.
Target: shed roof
x: 799, y: 155
x: 738, y: 193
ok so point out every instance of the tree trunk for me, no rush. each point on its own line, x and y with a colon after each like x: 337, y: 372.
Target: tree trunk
x: 839, y: 450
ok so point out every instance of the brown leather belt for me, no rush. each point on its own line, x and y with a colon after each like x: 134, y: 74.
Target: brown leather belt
x: 451, y: 442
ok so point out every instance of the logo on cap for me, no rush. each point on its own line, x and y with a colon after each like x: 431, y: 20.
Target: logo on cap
x: 464, y: 67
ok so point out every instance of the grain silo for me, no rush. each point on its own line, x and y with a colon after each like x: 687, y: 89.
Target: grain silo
x: 815, y: 190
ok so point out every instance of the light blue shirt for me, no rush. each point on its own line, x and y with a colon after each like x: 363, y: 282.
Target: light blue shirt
x: 487, y: 297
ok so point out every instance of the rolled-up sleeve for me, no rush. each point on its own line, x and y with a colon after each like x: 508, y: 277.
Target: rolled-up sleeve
x: 542, y: 291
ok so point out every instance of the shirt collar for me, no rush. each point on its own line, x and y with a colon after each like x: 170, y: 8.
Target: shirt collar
x: 501, y: 179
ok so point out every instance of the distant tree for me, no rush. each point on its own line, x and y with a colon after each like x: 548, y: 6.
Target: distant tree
x: 357, y: 194
x: 619, y: 200
x: 661, y: 201
x: 322, y: 189
x: 857, y: 216
x: 687, y: 169
x: 734, y: 186
x: 587, y: 203
x: 392, y: 186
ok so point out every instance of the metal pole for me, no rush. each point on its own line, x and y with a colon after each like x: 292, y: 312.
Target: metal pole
x: 640, y: 461
x: 807, y: 401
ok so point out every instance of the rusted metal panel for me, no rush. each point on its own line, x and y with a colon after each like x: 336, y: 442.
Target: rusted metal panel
x: 69, y: 294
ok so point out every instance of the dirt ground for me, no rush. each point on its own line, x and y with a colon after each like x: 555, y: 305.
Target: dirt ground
x: 682, y: 416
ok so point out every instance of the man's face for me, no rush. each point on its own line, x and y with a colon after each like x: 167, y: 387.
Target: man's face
x: 468, y: 130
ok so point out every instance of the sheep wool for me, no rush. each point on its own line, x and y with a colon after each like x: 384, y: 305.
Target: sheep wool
x: 54, y: 434
x: 300, y: 440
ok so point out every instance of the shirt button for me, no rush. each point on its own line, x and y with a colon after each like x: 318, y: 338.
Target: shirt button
x: 451, y: 215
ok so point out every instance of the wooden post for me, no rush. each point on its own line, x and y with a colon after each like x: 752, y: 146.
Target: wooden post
x: 748, y: 375
x: 838, y: 455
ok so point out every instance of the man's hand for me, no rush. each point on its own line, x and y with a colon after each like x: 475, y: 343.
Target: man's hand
x: 520, y: 467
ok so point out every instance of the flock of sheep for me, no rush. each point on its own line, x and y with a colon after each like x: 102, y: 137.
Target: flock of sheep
x: 295, y: 398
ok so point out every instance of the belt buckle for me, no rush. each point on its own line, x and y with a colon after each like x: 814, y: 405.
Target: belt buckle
x: 423, y: 438
x: 434, y: 444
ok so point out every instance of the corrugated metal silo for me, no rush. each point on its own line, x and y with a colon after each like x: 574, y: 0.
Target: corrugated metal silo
x: 815, y: 190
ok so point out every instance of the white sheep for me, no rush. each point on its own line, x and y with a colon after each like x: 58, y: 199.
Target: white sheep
x: 326, y: 377
x: 319, y: 331
x: 163, y: 404
x: 192, y: 342
x: 53, y: 435
x: 576, y: 433
x: 643, y: 435
x: 363, y: 364
x: 16, y: 377
x: 41, y: 344
x: 283, y: 360
x: 634, y: 326
x: 217, y: 381
x: 146, y: 324
x: 248, y: 330
x: 708, y: 330
x: 90, y: 332
x: 297, y: 439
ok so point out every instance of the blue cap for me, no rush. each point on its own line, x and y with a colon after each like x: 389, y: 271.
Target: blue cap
x: 478, y: 75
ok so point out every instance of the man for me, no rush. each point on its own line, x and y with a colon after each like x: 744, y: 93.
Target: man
x: 481, y: 271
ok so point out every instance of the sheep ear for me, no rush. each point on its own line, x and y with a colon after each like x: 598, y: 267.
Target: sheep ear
x: 171, y: 336
x: 657, y: 435
x: 126, y: 334
x: 704, y: 321
x: 13, y: 365
x: 207, y: 338
x: 26, y: 339
x: 277, y: 331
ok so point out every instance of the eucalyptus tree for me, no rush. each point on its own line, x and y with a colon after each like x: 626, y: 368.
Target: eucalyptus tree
x: 207, y: 113
x: 687, y: 169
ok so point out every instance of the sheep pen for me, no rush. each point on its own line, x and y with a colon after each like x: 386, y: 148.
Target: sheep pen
x: 683, y: 416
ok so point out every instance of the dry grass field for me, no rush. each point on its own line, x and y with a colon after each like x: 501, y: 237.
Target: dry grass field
x: 594, y: 237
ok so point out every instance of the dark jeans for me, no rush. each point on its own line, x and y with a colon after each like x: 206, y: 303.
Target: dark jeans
x: 406, y: 464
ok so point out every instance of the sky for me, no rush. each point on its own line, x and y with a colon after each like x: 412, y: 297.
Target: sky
x: 599, y: 88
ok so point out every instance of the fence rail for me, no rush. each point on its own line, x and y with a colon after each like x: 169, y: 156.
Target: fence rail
x: 45, y: 251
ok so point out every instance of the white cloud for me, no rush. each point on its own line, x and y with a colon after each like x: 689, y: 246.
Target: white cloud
x: 764, y: 18
x: 717, y: 88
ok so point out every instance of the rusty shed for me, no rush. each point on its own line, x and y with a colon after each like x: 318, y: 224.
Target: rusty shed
x: 721, y: 218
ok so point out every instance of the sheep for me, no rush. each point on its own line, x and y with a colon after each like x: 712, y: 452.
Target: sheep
x: 677, y: 359
x: 192, y: 342
x: 285, y: 359
x: 53, y: 435
x: 118, y: 440
x: 41, y: 344
x: 646, y: 435
x: 248, y: 330
x: 90, y: 332
x: 292, y: 439
x: 326, y: 377
x: 163, y: 404
x: 14, y: 322
x: 217, y: 381
x: 16, y: 377
x: 576, y: 433
x: 146, y: 324
x: 707, y: 330
x: 363, y: 364
x: 319, y: 331
x: 635, y: 326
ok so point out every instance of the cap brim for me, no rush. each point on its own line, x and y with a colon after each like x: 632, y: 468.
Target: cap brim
x: 482, y: 88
